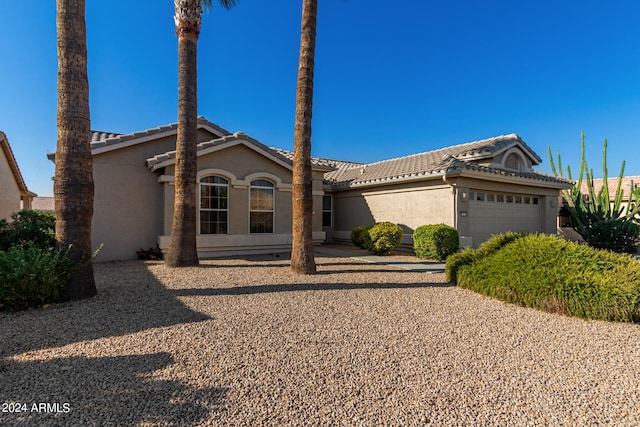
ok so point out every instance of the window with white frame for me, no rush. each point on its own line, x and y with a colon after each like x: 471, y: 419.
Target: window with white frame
x: 261, y: 206
x: 214, y: 205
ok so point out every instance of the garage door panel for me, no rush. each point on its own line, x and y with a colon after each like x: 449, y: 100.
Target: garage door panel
x: 487, y: 219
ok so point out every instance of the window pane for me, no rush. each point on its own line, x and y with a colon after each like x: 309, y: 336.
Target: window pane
x: 500, y: 198
x: 214, y: 180
x: 261, y: 222
x: 491, y: 198
x: 326, y: 203
x: 326, y: 219
x: 261, y: 183
x: 261, y: 199
x: 480, y: 197
x: 213, y: 222
x: 509, y: 199
x: 518, y: 199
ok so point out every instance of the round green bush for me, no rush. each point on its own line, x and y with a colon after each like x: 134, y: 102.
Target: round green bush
x: 383, y: 237
x: 435, y: 241
x: 358, y: 237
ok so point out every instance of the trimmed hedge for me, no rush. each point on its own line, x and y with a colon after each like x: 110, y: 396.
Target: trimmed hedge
x: 555, y: 275
x: 435, y: 241
x: 379, y: 238
x: 383, y: 237
x: 468, y: 255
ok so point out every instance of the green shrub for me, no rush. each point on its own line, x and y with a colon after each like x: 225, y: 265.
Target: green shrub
x: 358, y: 237
x: 555, y: 275
x: 31, y: 277
x: 34, y: 228
x: 469, y: 256
x: 436, y: 241
x: 455, y: 261
x: 382, y: 237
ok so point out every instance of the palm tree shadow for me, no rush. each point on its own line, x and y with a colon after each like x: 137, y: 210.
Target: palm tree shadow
x: 130, y: 299
x: 295, y: 287
x: 134, y: 397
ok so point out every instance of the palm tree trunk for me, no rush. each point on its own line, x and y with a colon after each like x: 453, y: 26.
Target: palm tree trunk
x: 182, y: 245
x: 302, y: 260
x: 73, y: 182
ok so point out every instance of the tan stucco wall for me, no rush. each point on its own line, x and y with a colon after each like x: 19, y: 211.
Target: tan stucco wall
x: 9, y: 190
x: 410, y: 205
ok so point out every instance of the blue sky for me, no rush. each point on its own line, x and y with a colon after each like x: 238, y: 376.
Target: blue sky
x: 391, y: 79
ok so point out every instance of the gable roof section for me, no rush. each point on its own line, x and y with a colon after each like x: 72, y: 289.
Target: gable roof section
x: 13, y: 165
x: 437, y: 163
x: 282, y: 157
x: 102, y: 142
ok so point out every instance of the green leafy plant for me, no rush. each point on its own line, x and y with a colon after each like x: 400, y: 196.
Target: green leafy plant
x: 436, y: 241
x: 31, y: 277
x: 28, y: 227
x: 382, y: 237
x: 551, y: 274
x: 594, y: 214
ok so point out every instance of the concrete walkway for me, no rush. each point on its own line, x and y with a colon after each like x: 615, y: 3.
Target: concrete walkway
x: 427, y: 267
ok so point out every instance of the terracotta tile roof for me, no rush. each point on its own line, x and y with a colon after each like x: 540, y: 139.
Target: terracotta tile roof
x: 436, y: 162
x: 43, y: 204
x: 13, y: 165
x: 613, y: 185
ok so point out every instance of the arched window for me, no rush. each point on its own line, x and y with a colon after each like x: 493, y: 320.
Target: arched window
x: 513, y: 162
x: 261, y: 206
x: 214, y: 205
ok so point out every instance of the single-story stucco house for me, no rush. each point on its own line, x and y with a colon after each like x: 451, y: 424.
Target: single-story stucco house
x: 14, y: 194
x: 481, y: 188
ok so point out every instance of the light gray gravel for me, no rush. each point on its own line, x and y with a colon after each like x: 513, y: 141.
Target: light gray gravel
x: 243, y: 342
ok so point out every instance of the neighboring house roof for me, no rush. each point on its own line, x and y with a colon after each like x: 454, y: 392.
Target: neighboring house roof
x: 13, y: 165
x: 437, y: 163
x: 282, y: 157
x: 613, y: 185
x: 45, y: 204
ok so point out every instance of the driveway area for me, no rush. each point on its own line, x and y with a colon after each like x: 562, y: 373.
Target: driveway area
x: 241, y: 341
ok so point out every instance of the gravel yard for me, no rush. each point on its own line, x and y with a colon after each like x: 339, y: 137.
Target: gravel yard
x: 240, y: 341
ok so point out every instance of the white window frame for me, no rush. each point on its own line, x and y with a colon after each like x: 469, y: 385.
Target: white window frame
x: 201, y: 209
x: 272, y: 188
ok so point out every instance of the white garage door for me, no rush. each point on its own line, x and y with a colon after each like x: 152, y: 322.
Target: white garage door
x: 495, y: 213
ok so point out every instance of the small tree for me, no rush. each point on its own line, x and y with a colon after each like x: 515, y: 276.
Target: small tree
x: 600, y: 222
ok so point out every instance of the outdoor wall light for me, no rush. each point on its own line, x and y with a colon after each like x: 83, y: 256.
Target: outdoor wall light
x: 464, y: 196
x: 463, y: 214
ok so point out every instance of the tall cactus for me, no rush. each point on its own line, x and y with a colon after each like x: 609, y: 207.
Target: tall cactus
x: 599, y: 221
